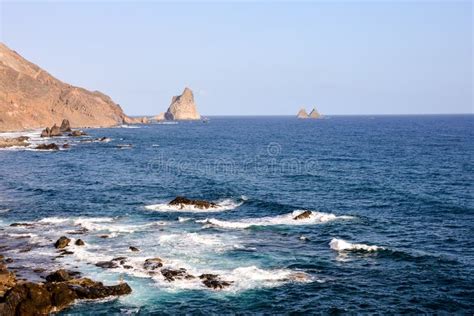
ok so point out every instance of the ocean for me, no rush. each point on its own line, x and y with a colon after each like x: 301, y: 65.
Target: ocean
x: 391, y: 226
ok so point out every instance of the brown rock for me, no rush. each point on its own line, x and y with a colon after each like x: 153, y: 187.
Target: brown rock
x: 175, y: 274
x: 201, y: 204
x: 304, y: 215
x: 65, y: 126
x: 58, y: 276
x: 135, y: 249
x: 302, y: 114
x: 51, y: 146
x: 46, y: 132
x: 21, y: 141
x: 314, y: 114
x: 62, y: 242
x: 183, y: 107
x: 77, y: 133
x: 79, y: 242
x: 32, y: 98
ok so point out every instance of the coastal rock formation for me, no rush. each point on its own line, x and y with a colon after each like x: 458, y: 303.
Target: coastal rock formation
x: 62, y: 242
x: 181, y: 202
x: 314, y: 114
x: 159, y: 117
x: 21, y: 141
x: 182, y: 107
x: 302, y: 114
x: 32, y: 98
x: 304, y: 215
x: 51, y: 146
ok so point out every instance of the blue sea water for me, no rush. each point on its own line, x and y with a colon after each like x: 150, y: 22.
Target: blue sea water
x: 400, y: 183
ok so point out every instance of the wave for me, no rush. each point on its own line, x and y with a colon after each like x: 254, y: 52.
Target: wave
x: 343, y: 245
x: 286, y: 219
x: 222, y: 205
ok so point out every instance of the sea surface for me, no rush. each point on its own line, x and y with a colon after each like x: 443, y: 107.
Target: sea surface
x: 391, y: 229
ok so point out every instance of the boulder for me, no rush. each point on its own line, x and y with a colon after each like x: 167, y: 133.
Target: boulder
x: 304, y: 215
x: 79, y: 242
x: 62, y: 242
x: 153, y: 264
x: 213, y: 281
x: 175, y: 274
x: 58, y: 276
x: 182, y: 107
x: 51, y: 146
x: 107, y: 264
x: 46, y: 132
x: 65, y: 126
x: 55, y: 131
x: 182, y: 202
x: 135, y: 249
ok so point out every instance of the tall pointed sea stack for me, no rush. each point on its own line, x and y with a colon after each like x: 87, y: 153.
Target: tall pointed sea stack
x: 314, y: 114
x: 302, y: 114
x: 183, y: 107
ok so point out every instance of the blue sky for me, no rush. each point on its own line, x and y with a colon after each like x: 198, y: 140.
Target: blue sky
x: 256, y: 58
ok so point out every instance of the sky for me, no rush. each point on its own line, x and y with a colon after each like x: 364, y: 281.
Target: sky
x: 255, y: 58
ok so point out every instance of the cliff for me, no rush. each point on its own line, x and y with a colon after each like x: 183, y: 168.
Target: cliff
x: 183, y: 107
x: 32, y: 98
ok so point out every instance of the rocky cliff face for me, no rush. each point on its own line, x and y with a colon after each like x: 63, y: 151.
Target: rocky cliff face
x: 182, y: 107
x: 32, y: 98
x: 302, y: 114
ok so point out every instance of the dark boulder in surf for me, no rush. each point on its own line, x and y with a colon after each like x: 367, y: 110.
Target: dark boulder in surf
x: 181, y: 202
x: 176, y: 274
x: 134, y: 249
x: 79, y: 242
x: 153, y: 264
x: 51, y: 146
x: 62, y: 242
x: 304, y: 215
x: 60, y: 275
x: 213, y: 281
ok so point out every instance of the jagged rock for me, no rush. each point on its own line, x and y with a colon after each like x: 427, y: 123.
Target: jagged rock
x: 213, y: 281
x: 51, y: 146
x: 201, y: 204
x: 183, y: 107
x: 21, y: 141
x: 135, y: 249
x: 79, y: 242
x: 179, y: 274
x: 46, y: 132
x: 58, y: 276
x: 65, y: 126
x: 302, y: 114
x: 304, y: 215
x: 314, y: 114
x: 32, y: 98
x: 62, y: 242
x: 153, y: 264
x: 55, y: 131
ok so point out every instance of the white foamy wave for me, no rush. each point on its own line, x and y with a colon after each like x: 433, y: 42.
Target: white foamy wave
x: 129, y: 126
x: 342, y: 245
x: 53, y: 220
x: 105, y: 224
x: 222, y: 205
x: 286, y: 219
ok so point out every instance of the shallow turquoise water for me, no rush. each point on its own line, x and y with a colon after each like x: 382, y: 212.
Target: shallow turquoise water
x: 403, y: 184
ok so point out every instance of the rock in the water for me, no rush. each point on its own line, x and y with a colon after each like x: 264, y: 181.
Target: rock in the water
x: 65, y: 126
x: 314, y: 114
x: 55, y: 131
x: 107, y: 264
x: 302, y: 114
x: 182, y: 107
x: 77, y: 133
x: 304, y: 215
x: 79, y: 242
x: 62, y: 242
x: 65, y: 146
x: 135, y: 249
x: 213, y: 281
x: 153, y: 263
x: 58, y: 276
x: 46, y: 132
x: 21, y: 141
x: 182, y: 202
x: 7, y: 279
x: 178, y: 274
x: 51, y: 146
x: 159, y: 117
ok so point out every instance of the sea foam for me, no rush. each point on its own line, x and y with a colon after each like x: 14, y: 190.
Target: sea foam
x: 342, y: 245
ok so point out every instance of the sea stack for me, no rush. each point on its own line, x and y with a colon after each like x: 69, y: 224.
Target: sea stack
x: 302, y: 114
x: 314, y: 114
x: 183, y: 107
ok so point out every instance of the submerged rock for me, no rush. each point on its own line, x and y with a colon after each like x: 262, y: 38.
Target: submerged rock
x: 304, y: 215
x: 107, y: 264
x: 62, y: 242
x: 51, y: 146
x: 182, y: 202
